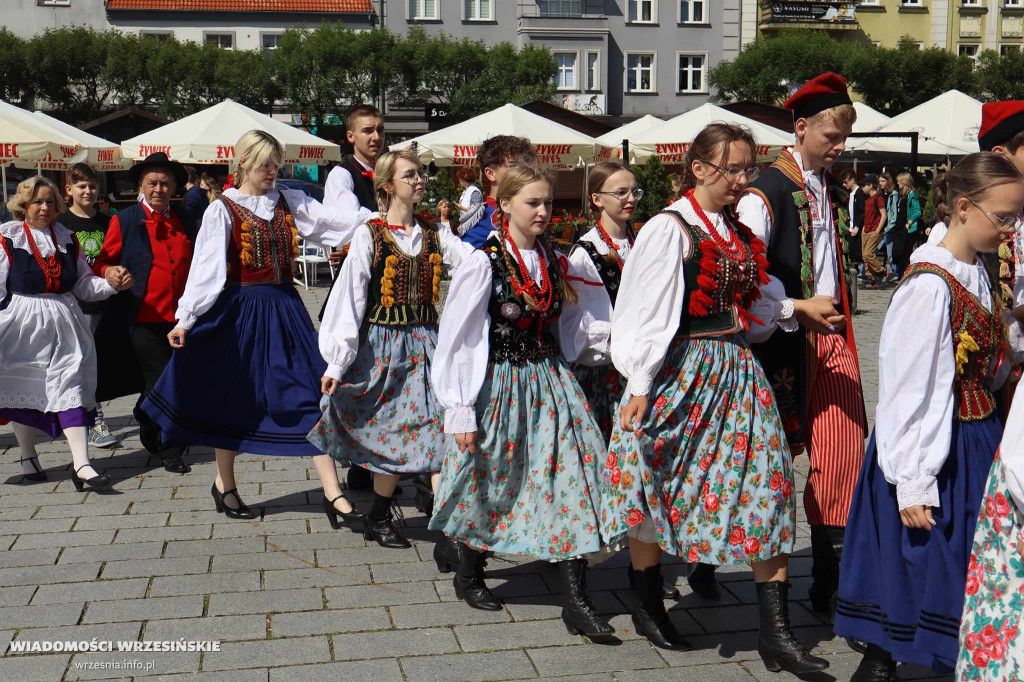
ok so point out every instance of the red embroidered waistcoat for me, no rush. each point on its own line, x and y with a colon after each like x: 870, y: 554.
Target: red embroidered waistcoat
x: 261, y: 251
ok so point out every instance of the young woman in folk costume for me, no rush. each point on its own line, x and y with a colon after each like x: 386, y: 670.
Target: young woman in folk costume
x: 923, y: 481
x: 378, y: 337
x: 699, y: 465
x: 521, y: 475
x: 245, y: 376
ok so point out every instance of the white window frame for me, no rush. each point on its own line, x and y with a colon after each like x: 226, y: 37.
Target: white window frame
x: 565, y: 14
x: 477, y: 5
x: 159, y: 35
x: 1011, y: 3
x: 209, y: 34
x: 638, y: 20
x: 911, y: 3
x: 654, y: 72
x: 419, y: 13
x: 266, y: 34
x: 598, y: 86
x: 703, y: 73
x: 870, y: 3
x: 575, y: 87
x: 1012, y: 46
x: 970, y: 3
x: 704, y: 12
x: 53, y: 3
x: 977, y: 51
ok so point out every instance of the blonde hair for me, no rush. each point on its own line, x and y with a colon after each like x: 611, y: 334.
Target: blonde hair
x: 905, y: 181
x: 844, y: 114
x: 254, y: 149
x: 516, y: 177
x: 384, y: 173
x: 26, y: 192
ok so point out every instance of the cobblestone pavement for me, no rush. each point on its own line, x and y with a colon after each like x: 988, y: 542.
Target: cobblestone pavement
x: 290, y: 599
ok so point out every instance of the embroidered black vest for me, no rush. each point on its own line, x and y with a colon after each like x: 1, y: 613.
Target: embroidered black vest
x: 518, y: 333
x: 608, y: 270
x: 27, y: 278
x: 403, y: 288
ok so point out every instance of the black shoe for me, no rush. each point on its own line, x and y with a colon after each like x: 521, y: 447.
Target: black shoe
x: 424, y: 494
x: 383, y: 532
x: 876, y: 666
x: 826, y: 556
x: 359, y: 478
x: 38, y: 475
x: 778, y: 647
x: 446, y: 554
x: 649, y: 616
x: 175, y: 464
x: 703, y: 582
x: 578, y: 612
x: 333, y: 513
x: 241, y: 512
x: 469, y: 581
x: 858, y: 645
x: 667, y: 591
x: 97, y: 482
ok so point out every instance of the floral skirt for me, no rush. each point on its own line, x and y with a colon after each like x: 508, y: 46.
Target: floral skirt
x: 710, y: 469
x: 991, y: 647
x: 384, y: 415
x: 903, y: 588
x: 532, y: 487
x: 603, y: 386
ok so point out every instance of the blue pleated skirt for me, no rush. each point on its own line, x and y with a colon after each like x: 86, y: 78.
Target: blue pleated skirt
x: 903, y: 588
x: 248, y: 377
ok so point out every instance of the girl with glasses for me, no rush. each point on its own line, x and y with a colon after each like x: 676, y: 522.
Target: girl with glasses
x: 378, y: 336
x: 923, y: 481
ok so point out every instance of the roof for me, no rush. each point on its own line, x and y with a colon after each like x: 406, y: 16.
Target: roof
x: 314, y: 6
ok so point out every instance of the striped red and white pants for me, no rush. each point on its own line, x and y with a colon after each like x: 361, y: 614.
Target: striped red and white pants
x: 835, y: 415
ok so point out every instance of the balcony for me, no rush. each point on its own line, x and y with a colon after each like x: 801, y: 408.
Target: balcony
x: 828, y: 16
x: 562, y: 25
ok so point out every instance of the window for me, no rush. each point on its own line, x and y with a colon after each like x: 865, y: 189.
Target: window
x: 691, y: 72
x: 968, y: 51
x: 643, y: 11
x: 159, y: 35
x: 224, y: 41
x: 54, y: 3
x: 270, y: 41
x: 1011, y: 3
x: 560, y: 8
x: 640, y: 72
x: 423, y: 9
x: 871, y: 3
x: 478, y: 10
x: 593, y: 70
x: 694, y: 12
x: 565, y: 77
x: 1009, y: 48
x: 912, y: 3
x: 970, y: 3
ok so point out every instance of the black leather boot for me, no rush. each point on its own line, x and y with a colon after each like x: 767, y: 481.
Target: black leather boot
x: 578, y: 612
x: 469, y: 581
x: 667, y: 592
x: 876, y: 666
x: 360, y: 479
x: 446, y: 554
x: 649, y: 616
x: 703, y: 583
x: 826, y: 555
x: 778, y: 647
x: 424, y: 494
x: 380, y: 524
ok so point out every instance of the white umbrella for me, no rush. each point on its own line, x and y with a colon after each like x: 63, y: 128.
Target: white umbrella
x: 947, y: 125
x: 868, y: 119
x: 612, y: 141
x: 103, y: 155
x: 24, y: 138
x: 557, y: 146
x: 209, y: 136
x: 671, y: 140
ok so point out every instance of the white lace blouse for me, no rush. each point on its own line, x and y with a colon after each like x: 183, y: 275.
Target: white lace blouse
x: 88, y: 287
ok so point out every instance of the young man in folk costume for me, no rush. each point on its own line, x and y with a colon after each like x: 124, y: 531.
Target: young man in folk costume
x: 494, y: 157
x: 350, y: 187
x: 815, y: 375
x: 154, y: 242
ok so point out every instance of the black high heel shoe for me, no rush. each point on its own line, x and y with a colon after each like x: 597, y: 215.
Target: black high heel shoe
x: 97, y: 482
x: 350, y: 518
x: 38, y: 475
x: 241, y: 512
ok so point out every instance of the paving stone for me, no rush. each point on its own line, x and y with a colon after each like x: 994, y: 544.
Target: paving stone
x: 268, y: 653
x: 162, y: 534
x: 144, y: 609
x: 516, y: 635
x: 155, y: 567
x: 271, y: 560
x: 446, y: 613
x: 380, y: 595
x: 138, y: 550
x: 101, y: 590
x: 321, y: 541
x: 95, y: 507
x: 406, y: 572
x: 44, y: 499
x: 216, y: 547
x: 391, y: 643
x: 193, y: 518
x: 324, y: 622
x: 107, y: 632
x: 248, y: 675
x: 506, y: 587
x: 323, y: 576
x: 16, y: 596
x: 36, y: 526
x: 589, y: 659
x: 24, y: 668
x: 374, y: 554
x: 122, y: 521
x: 548, y: 606
x: 71, y: 539
x: 29, y: 557
x: 273, y: 529
x: 161, y: 663
x: 743, y: 617
x: 223, y: 628
x: 208, y: 583
x: 39, y: 616
x: 498, y: 665
x: 272, y: 601
x: 5, y: 640
x: 42, y: 575
x: 381, y: 670
x: 722, y: 672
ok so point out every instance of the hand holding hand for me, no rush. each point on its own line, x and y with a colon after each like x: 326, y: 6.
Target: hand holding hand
x: 819, y: 314
x: 917, y: 516
x: 466, y: 441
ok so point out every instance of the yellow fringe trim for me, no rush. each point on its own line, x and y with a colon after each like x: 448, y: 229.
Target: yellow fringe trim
x: 387, y: 285
x: 435, y: 258
x: 967, y: 345
x: 246, y: 239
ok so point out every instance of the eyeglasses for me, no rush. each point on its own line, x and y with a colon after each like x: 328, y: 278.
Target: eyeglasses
x: 734, y: 173
x: 414, y: 179
x: 623, y: 194
x: 1002, y: 223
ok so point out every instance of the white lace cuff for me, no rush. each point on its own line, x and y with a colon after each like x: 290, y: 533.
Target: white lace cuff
x: 460, y: 419
x: 186, y: 322
x: 786, y: 316
x: 334, y: 371
x: 923, y: 490
x: 600, y: 333
x: 639, y: 384
x: 1016, y: 336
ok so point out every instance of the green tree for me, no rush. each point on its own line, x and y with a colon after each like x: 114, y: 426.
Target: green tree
x: 66, y: 66
x: 440, y: 186
x: 15, y: 77
x: 651, y: 178
x: 247, y: 76
x: 314, y: 68
x: 1001, y: 76
x: 126, y: 71
x: 436, y: 67
x: 509, y: 75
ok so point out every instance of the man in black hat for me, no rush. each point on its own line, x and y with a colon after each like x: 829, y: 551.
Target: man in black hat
x: 153, y: 241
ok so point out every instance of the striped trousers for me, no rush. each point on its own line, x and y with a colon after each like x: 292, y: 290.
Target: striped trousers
x: 835, y: 416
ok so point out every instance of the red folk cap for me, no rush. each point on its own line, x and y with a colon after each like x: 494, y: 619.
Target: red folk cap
x: 818, y: 94
x: 1000, y: 121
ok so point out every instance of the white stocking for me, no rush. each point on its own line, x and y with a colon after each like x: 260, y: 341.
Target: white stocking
x: 26, y: 436
x: 78, y: 440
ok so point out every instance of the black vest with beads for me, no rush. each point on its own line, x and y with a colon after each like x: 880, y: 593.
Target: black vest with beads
x: 609, y: 271
x: 518, y: 333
